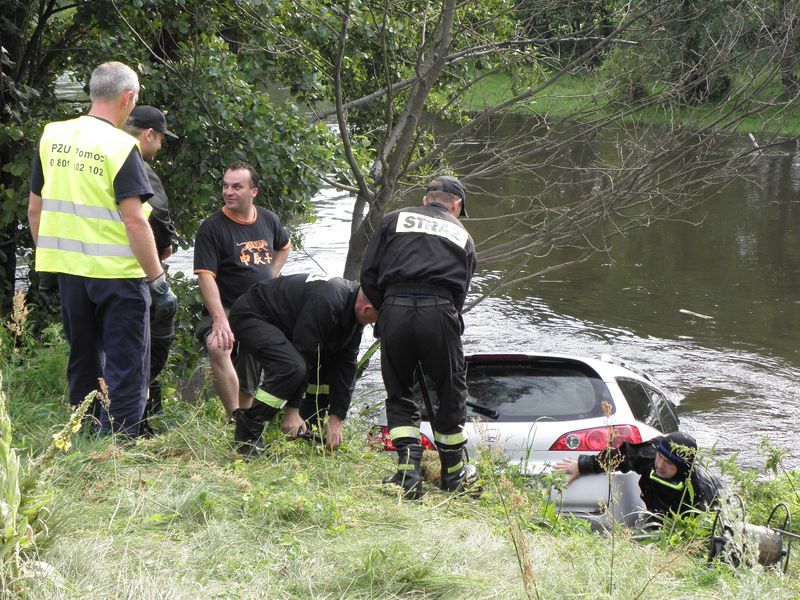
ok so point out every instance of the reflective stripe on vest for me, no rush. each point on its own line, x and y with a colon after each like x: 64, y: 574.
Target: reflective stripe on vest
x: 81, y: 230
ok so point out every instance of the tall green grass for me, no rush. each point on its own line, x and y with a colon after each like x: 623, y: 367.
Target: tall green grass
x: 182, y: 516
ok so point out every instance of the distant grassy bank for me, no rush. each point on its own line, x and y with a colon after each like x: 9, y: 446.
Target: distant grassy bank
x: 587, y: 98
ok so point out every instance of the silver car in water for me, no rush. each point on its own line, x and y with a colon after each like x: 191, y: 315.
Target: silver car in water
x: 536, y: 409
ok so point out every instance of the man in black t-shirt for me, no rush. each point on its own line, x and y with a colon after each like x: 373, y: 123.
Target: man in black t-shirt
x: 236, y: 247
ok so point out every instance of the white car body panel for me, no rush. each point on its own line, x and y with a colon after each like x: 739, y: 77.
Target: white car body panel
x: 527, y: 444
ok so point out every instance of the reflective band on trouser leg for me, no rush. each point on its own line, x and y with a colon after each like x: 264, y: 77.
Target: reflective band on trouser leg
x: 456, y: 467
x: 317, y: 389
x: 269, y: 399
x: 453, y: 439
x: 404, y: 432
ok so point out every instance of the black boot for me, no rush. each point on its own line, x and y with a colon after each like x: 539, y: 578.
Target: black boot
x: 409, y: 475
x: 247, y: 436
x: 457, y: 474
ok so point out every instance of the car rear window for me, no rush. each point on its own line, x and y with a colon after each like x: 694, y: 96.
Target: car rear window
x: 525, y: 392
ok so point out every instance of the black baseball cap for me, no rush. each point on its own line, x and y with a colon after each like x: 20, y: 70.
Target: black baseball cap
x: 451, y: 185
x: 149, y: 117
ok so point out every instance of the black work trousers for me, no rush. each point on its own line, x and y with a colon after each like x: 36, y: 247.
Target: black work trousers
x: 161, y: 336
x: 284, y: 368
x: 426, y: 330
x: 107, y: 325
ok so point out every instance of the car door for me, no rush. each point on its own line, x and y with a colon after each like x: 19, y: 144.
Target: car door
x: 640, y: 402
x: 665, y: 409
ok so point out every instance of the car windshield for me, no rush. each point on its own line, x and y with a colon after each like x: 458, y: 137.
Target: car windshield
x: 520, y: 391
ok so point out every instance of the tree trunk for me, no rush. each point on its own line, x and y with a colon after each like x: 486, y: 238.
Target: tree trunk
x: 361, y: 235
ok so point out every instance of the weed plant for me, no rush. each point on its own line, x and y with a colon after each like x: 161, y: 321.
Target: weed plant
x: 181, y: 515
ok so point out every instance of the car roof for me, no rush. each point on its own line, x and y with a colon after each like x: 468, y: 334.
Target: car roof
x: 607, y: 367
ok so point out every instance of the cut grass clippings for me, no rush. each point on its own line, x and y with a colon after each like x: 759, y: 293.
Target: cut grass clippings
x: 167, y: 518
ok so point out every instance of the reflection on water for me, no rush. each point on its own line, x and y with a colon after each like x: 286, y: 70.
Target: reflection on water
x: 734, y: 375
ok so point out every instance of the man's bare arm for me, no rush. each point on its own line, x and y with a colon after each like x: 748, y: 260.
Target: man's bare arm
x: 279, y: 258
x: 34, y: 215
x: 221, y: 333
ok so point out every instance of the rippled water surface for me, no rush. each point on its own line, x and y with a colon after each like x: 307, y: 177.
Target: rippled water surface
x: 734, y: 374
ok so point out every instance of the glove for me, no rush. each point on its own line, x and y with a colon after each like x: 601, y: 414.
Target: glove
x: 164, y: 304
x: 48, y: 289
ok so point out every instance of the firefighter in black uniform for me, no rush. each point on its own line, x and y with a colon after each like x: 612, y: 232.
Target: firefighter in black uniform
x: 669, y: 480
x: 149, y: 125
x: 416, y: 272
x: 304, y: 331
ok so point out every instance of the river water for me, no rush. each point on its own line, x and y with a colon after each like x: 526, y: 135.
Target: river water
x: 734, y: 259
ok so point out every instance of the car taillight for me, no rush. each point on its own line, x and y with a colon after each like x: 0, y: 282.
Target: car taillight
x: 379, y: 439
x: 597, y: 438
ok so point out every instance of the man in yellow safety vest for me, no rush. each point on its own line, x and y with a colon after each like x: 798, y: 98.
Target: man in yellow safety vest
x: 88, y: 222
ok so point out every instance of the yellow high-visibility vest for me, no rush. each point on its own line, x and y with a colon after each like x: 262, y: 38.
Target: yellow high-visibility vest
x: 81, y: 231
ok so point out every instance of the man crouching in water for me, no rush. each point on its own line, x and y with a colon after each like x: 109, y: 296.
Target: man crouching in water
x: 669, y: 480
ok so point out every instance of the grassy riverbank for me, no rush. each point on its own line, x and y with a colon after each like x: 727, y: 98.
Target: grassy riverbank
x: 180, y: 516
x: 590, y: 97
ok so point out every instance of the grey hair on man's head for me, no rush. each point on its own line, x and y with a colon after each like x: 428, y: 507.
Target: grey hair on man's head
x: 110, y: 80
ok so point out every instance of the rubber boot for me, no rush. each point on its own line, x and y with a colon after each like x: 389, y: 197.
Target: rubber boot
x: 409, y: 475
x: 247, y: 436
x: 457, y: 474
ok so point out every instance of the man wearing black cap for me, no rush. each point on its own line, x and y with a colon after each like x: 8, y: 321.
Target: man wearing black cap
x: 669, y: 481
x: 417, y: 271
x: 149, y: 125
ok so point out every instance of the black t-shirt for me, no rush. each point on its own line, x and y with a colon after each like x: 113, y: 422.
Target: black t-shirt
x: 131, y: 180
x: 163, y: 229
x: 238, y: 254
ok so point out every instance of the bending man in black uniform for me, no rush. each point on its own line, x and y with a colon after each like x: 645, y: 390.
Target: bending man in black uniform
x: 417, y: 271
x: 149, y: 125
x: 302, y: 329
x: 669, y: 482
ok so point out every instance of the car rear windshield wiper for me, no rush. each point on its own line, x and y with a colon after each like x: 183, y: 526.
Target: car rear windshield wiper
x: 484, y: 410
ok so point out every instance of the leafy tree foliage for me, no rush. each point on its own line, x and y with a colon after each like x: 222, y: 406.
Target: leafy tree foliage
x: 391, y: 68
x: 193, y: 63
x: 387, y: 72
